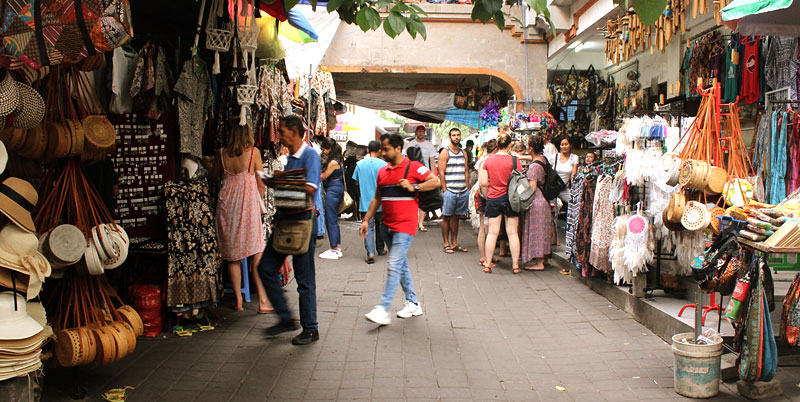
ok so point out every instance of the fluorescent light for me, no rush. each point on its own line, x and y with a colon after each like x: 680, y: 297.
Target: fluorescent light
x: 573, y: 45
x: 579, y: 47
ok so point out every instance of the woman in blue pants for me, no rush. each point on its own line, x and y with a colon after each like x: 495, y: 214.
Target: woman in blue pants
x: 332, y: 180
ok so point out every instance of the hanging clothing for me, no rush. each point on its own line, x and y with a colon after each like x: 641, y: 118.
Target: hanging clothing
x: 194, y: 102
x: 793, y: 157
x: 537, y: 221
x: 192, y: 251
x: 780, y: 66
x: 239, y: 214
x: 274, y: 97
x: 751, y: 74
x: 583, y: 236
x: 777, y: 185
x: 573, y: 211
x: 603, y: 228
x: 321, y: 88
x: 732, y: 71
x: 122, y: 66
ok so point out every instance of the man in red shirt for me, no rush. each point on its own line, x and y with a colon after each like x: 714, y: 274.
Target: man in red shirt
x: 398, y: 183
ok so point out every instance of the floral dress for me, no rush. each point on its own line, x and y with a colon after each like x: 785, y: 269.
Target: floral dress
x: 193, y: 256
x: 239, y: 214
x: 537, y: 222
x: 603, y: 233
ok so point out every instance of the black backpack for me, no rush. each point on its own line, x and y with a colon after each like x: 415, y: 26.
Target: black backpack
x: 553, y: 185
x: 428, y: 200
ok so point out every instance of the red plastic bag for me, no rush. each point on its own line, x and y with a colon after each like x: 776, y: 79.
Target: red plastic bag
x: 148, y: 303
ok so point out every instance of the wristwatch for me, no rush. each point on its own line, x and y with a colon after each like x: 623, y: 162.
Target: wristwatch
x: 416, y: 188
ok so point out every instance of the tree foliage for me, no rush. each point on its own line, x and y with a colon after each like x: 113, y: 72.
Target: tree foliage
x: 402, y: 17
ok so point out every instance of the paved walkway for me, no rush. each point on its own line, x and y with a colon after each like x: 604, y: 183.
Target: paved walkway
x: 532, y: 337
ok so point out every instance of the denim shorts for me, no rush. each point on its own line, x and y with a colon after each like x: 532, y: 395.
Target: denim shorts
x: 499, y: 206
x: 455, y: 203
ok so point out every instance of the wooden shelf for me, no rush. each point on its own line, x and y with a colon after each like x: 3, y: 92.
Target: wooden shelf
x: 767, y: 249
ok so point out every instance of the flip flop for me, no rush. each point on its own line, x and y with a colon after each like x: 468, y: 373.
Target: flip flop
x: 260, y: 311
x: 370, y: 260
x: 460, y: 249
x: 448, y: 250
x: 423, y: 229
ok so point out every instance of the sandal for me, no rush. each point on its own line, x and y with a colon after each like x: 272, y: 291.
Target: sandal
x: 488, y: 270
x: 515, y: 270
x: 369, y: 260
x: 483, y: 263
x: 564, y: 272
x: 423, y: 229
x: 460, y: 249
x: 448, y: 250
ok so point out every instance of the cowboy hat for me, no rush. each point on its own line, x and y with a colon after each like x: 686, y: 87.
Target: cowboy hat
x: 17, y: 200
x: 19, y: 252
x: 15, y: 323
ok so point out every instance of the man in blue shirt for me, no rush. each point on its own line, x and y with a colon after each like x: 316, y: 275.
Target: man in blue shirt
x: 301, y: 156
x: 366, y: 175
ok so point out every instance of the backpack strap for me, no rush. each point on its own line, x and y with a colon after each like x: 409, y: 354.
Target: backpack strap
x: 513, y: 163
x: 405, y: 176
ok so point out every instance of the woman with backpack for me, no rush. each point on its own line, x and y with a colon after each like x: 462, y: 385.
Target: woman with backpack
x: 537, y: 221
x: 493, y: 176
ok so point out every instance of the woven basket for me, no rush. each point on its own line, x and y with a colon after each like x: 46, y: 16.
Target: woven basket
x: 675, y: 207
x: 60, y: 139
x: 715, y: 213
x: 64, y: 245
x: 130, y: 334
x: 219, y: 40
x: 717, y: 177
x: 672, y: 226
x: 695, y: 216
x: 106, y: 347
x: 76, y: 136
x: 87, y: 339
x: 132, y: 317
x: 694, y: 174
x: 99, y: 132
x: 121, y: 339
x: 35, y: 144
x: 13, y: 138
x: 69, y: 350
x: 246, y: 94
x: 93, y: 263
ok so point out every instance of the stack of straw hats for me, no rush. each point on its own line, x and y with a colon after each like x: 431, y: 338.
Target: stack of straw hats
x: 21, y: 335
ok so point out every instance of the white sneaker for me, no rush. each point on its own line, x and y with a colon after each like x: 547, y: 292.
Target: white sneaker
x: 339, y: 252
x: 410, y: 310
x: 329, y: 255
x: 379, y: 316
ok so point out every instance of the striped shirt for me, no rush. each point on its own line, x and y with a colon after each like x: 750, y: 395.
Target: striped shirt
x: 455, y: 174
x: 400, y: 206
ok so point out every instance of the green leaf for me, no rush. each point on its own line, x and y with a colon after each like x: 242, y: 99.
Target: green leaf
x: 290, y: 3
x: 418, y: 9
x: 373, y: 18
x: 419, y: 26
x: 479, y: 13
x: 500, y: 20
x: 412, y: 29
x: 649, y: 10
x: 383, y: 3
x: 400, y: 7
x: 361, y: 19
x: 334, y: 5
x: 397, y: 21
x: 387, y: 28
x: 492, y: 6
x: 314, y: 5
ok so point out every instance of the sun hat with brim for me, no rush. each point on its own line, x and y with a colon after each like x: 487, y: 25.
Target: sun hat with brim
x: 19, y: 252
x: 9, y: 94
x: 31, y: 109
x: 32, y: 365
x: 13, y: 280
x: 15, y: 323
x: 99, y: 132
x: 3, y: 157
x: 18, y: 198
x: 22, y: 346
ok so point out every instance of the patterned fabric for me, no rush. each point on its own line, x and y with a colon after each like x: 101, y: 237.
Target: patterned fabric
x: 193, y: 255
x: 780, y: 67
x: 537, y: 226
x: 239, y: 215
x: 573, y: 210
x: 58, y: 34
x: 583, y: 236
x: 194, y: 102
x: 455, y: 173
x: 793, y: 159
x: 603, y: 233
x: 321, y: 84
x: 274, y: 97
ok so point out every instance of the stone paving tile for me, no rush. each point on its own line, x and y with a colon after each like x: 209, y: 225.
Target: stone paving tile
x: 482, y: 337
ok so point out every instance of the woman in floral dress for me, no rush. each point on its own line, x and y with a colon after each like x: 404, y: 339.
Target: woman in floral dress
x: 239, y: 205
x: 537, y: 221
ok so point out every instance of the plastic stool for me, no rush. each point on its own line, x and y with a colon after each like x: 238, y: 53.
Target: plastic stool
x: 245, y: 280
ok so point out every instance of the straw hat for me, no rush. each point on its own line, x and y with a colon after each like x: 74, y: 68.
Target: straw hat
x: 3, y: 157
x: 24, y: 345
x: 35, y: 145
x: 99, y: 132
x: 18, y: 198
x: 15, y: 323
x: 31, y: 109
x: 19, y: 252
x: 9, y: 94
x: 696, y: 216
x: 13, y: 138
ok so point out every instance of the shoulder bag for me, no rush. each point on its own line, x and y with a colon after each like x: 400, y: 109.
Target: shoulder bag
x: 553, y: 185
x: 292, y: 233
x: 428, y: 200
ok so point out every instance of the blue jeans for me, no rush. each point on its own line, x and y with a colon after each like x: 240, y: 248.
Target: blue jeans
x: 376, y: 238
x: 304, y: 274
x: 321, y: 208
x: 334, y: 192
x: 398, y: 272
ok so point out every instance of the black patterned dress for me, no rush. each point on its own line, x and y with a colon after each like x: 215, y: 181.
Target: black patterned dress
x: 583, y: 236
x: 193, y: 253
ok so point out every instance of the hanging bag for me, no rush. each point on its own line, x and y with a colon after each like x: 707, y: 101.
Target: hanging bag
x: 292, y: 233
x: 428, y: 200
x: 520, y: 192
x: 347, y: 200
x: 75, y: 29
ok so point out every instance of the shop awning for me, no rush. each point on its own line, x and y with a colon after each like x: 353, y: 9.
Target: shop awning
x: 763, y: 17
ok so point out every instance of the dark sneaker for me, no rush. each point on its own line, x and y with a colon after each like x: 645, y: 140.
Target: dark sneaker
x: 304, y: 338
x: 280, y: 328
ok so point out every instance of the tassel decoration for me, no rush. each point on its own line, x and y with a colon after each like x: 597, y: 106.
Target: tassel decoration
x: 215, y: 69
x: 243, y: 116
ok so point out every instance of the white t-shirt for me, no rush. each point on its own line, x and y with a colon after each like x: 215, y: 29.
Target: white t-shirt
x: 121, y: 76
x: 426, y: 147
x: 564, y: 170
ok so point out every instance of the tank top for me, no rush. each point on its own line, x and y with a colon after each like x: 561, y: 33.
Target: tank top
x: 455, y: 175
x: 336, y: 175
x: 751, y: 76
